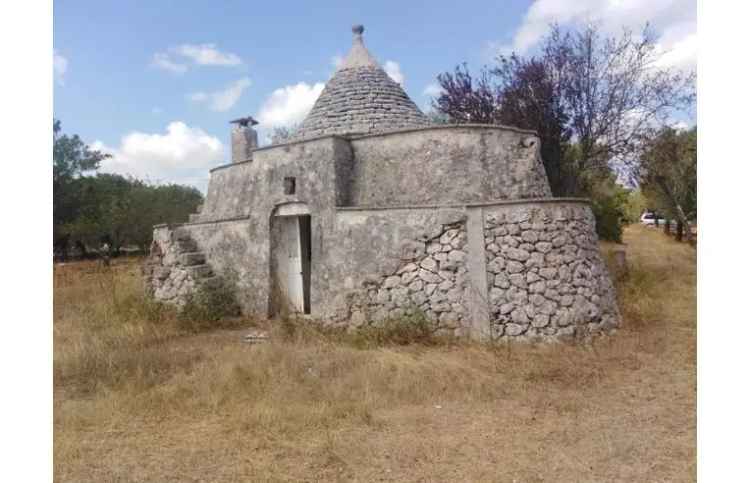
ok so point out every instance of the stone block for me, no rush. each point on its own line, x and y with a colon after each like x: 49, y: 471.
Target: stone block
x: 514, y: 329
x: 192, y: 258
x: 392, y: 281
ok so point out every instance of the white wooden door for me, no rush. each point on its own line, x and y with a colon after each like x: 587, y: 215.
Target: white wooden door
x: 293, y: 269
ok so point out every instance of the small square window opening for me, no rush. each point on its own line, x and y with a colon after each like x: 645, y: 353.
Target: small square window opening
x: 290, y: 185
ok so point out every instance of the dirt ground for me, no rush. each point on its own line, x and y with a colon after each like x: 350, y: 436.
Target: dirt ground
x: 140, y: 398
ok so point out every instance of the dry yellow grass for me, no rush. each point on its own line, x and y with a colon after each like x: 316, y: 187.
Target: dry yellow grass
x: 137, y: 398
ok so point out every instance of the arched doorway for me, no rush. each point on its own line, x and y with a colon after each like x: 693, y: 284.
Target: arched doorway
x: 290, y: 258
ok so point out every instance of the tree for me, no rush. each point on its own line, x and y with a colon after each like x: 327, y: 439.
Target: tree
x: 465, y: 100
x: 668, y: 174
x: 606, y: 93
x: 71, y: 157
x: 637, y: 203
x: 284, y: 134
x: 89, y: 209
x: 614, y: 92
x: 531, y: 93
x: 123, y: 210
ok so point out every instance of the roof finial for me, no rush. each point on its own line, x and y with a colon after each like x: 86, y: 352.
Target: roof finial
x: 358, y: 56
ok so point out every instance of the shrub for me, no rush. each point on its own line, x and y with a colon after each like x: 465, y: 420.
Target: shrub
x: 608, y: 215
x: 206, y: 307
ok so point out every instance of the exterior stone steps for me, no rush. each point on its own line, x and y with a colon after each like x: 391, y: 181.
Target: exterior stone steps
x: 200, y: 271
x: 190, y: 259
x: 186, y: 246
x: 210, y: 282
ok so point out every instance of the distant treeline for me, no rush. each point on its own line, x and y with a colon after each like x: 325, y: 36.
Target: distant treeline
x: 90, y: 208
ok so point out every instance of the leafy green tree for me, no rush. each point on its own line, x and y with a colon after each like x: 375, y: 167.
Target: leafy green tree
x: 71, y: 158
x: 123, y: 210
x: 669, y: 174
x: 636, y: 204
x: 92, y: 208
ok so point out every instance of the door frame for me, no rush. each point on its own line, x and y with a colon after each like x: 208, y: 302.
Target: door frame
x: 301, y: 213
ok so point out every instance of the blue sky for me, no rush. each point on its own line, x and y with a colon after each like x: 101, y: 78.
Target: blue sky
x: 155, y: 82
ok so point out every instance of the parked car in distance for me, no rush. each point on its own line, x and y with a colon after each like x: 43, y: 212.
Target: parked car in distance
x: 649, y: 218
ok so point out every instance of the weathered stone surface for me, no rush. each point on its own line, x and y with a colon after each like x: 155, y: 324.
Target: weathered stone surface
x: 518, y: 280
x: 529, y: 236
x: 514, y: 267
x: 407, y: 277
x: 517, y: 254
x: 552, y: 277
x: 429, y: 277
x: 514, y: 329
x: 429, y: 264
x: 391, y: 282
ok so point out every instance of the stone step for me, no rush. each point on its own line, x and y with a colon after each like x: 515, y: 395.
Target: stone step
x: 181, y: 234
x: 210, y: 282
x: 187, y: 246
x: 192, y: 258
x: 200, y: 271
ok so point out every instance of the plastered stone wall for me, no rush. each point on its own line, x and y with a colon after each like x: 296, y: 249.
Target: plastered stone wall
x: 546, y: 277
x: 446, y: 165
x: 390, y: 262
x: 431, y: 279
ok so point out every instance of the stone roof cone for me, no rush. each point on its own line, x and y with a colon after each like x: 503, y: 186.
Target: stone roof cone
x: 360, y: 98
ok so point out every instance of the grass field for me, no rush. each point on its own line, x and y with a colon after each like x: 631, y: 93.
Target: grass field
x: 141, y: 396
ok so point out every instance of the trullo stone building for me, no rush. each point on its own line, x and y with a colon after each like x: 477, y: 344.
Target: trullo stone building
x: 370, y: 212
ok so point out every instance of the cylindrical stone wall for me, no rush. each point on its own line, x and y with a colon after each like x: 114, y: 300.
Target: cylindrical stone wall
x: 545, y: 274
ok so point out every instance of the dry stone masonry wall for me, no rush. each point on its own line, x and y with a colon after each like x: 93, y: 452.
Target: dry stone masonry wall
x: 432, y: 279
x: 546, y: 278
x: 175, y: 268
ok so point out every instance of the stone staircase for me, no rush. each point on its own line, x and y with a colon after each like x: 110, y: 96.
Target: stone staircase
x: 176, y: 268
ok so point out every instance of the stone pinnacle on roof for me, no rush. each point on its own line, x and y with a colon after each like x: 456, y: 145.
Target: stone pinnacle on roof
x: 360, y: 98
x: 358, y: 56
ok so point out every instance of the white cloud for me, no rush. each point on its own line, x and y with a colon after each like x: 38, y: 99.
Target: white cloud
x: 59, y: 67
x: 177, y: 59
x: 289, y: 105
x: 432, y: 90
x: 180, y: 155
x: 223, y: 100
x: 163, y: 61
x: 207, y: 54
x: 394, y: 71
x: 680, y: 125
x: 682, y: 53
x: 674, y: 21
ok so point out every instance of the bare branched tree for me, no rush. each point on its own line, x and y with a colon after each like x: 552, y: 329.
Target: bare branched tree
x: 283, y: 134
x: 614, y: 91
x: 603, y: 94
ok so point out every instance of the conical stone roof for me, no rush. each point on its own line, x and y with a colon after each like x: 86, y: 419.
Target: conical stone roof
x: 360, y: 98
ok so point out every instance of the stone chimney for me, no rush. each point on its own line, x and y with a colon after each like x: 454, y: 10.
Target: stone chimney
x: 244, y: 139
